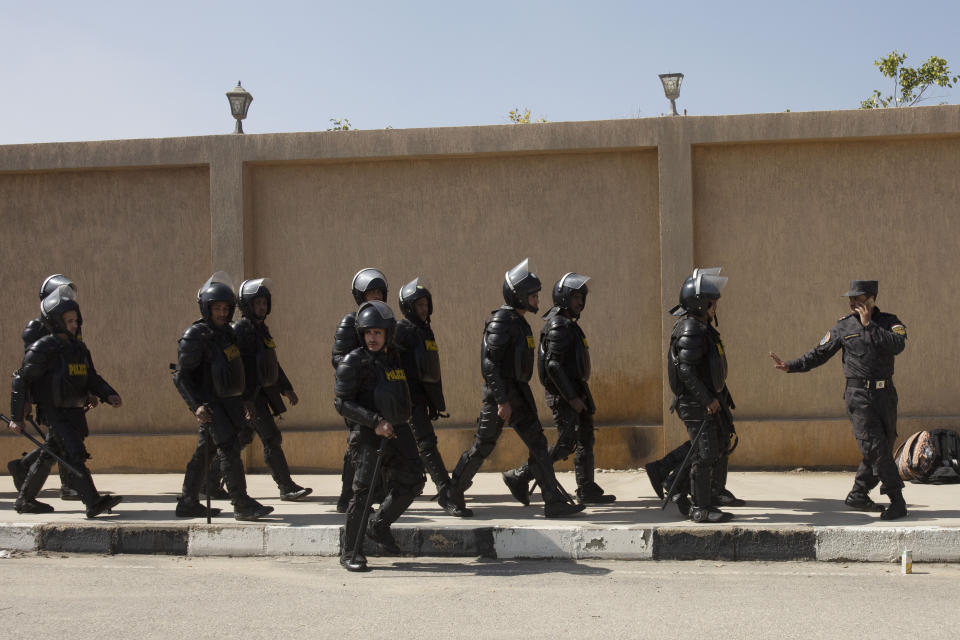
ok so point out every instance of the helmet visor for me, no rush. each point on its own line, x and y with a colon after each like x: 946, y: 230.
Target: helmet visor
x: 415, y: 288
x: 573, y: 281
x: 364, y: 277
x: 59, y: 295
x: 709, y: 282
x: 220, y: 276
x: 520, y: 273
x: 249, y: 288
x: 50, y: 284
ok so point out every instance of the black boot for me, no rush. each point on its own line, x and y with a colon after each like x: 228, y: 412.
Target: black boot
x: 451, y: 500
x: 248, y: 509
x: 69, y: 494
x: 33, y: 506
x: 701, y: 484
x: 681, y: 503
x: 353, y: 541
x: 379, y: 532
x: 726, y: 499
x: 897, y: 508
x: 656, y: 475
x: 294, y: 493
x: 192, y: 508
x: 862, y: 502
x: 561, y: 509
x: 518, y: 484
x: 17, y: 472
x: 592, y: 493
x: 103, y: 503
x: 709, y: 514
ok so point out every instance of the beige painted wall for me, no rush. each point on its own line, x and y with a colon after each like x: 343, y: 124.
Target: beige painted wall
x: 806, y: 219
x: 135, y: 242
x: 792, y: 205
x: 463, y: 223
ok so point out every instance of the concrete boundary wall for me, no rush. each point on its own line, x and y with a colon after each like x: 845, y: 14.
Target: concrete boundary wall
x: 662, y: 193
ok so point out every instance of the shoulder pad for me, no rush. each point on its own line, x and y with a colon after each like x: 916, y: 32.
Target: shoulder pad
x: 197, y: 331
x: 47, y: 344
x: 500, y: 327
x: 406, y: 334
x: 354, y: 360
x: 34, y: 330
x: 689, y: 326
x: 557, y: 322
x: 243, y: 324
x: 503, y: 314
x: 348, y: 321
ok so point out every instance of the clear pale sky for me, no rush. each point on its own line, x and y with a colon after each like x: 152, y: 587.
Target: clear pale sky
x: 96, y: 70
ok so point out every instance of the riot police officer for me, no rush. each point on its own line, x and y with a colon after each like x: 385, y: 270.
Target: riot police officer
x: 697, y: 372
x: 59, y: 376
x: 506, y: 362
x: 372, y: 396
x: 266, y: 384
x: 368, y: 284
x: 35, y: 330
x: 563, y: 365
x: 210, y: 378
x: 869, y: 339
x: 421, y: 362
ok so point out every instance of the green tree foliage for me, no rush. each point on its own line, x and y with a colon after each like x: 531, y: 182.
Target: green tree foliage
x: 909, y: 83
x: 518, y: 117
x: 339, y: 124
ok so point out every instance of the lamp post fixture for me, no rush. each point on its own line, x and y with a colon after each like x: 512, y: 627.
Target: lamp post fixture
x: 671, y: 89
x: 240, y: 100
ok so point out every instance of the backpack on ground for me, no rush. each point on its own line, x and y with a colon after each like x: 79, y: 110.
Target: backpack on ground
x: 930, y: 457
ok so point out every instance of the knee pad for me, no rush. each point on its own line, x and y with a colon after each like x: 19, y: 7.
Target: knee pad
x: 428, y: 443
x: 484, y: 449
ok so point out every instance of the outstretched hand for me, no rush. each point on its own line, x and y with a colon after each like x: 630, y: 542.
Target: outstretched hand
x: 778, y: 363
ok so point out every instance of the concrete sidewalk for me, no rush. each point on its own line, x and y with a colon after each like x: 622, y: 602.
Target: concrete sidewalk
x: 789, y: 516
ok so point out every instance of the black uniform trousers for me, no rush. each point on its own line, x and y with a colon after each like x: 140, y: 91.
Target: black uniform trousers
x: 402, y: 473
x: 66, y: 478
x: 873, y: 413
x: 575, y: 434
x: 426, y: 438
x: 265, y: 426
x: 524, y: 420
x: 706, y: 454
x: 67, y: 431
x: 219, y: 439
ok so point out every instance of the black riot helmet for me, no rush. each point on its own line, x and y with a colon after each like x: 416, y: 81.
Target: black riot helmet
x: 376, y: 315
x: 52, y: 308
x: 56, y: 280
x: 417, y: 288
x: 566, y: 286
x: 218, y: 288
x: 368, y: 279
x: 698, y: 290
x: 519, y: 283
x: 251, y: 289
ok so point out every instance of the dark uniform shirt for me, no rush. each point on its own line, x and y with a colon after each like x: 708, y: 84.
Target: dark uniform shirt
x: 868, y: 352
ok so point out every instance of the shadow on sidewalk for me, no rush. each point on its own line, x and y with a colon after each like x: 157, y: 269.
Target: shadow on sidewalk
x: 488, y: 567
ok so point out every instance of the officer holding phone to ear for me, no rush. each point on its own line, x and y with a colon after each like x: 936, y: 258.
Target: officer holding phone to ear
x: 869, y: 339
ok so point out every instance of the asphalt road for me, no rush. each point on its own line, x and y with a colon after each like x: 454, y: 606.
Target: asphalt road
x: 83, y: 596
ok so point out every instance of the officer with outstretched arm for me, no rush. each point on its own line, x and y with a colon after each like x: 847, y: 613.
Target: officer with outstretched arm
x: 870, y: 339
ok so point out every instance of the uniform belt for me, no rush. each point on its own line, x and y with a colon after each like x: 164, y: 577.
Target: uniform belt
x: 863, y: 383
